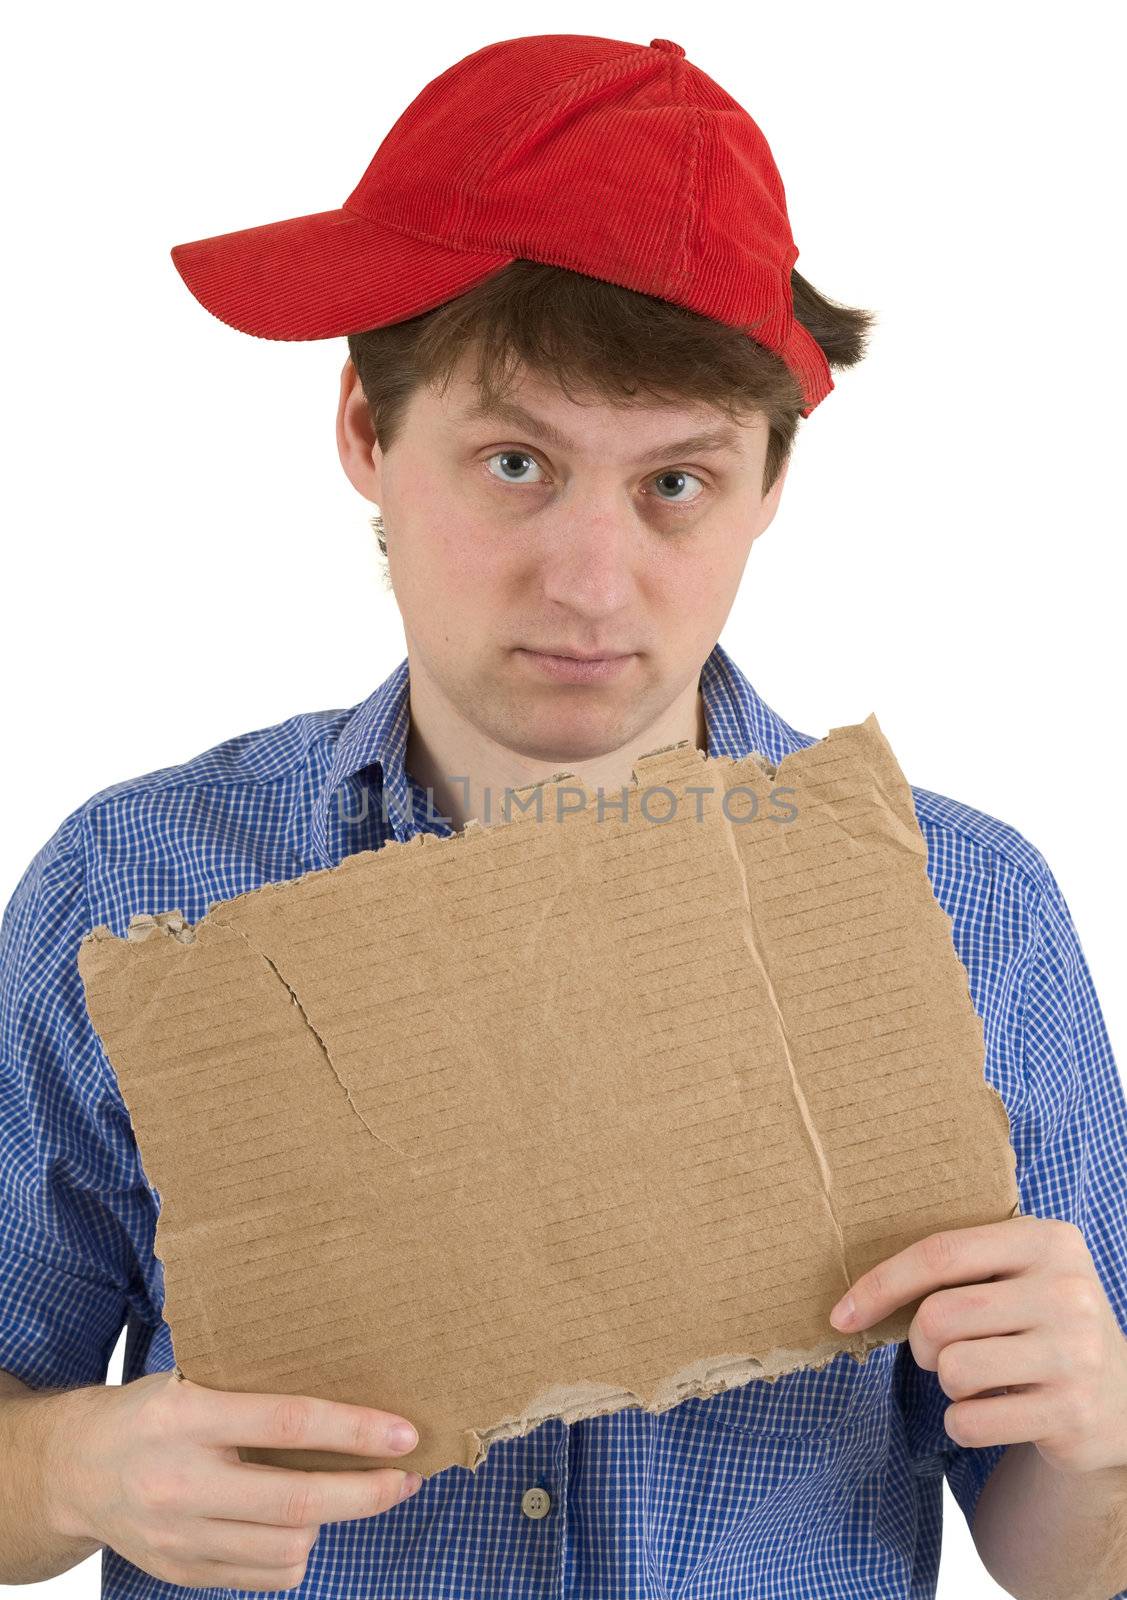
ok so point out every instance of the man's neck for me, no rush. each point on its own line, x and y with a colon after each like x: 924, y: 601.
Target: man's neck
x: 482, y: 770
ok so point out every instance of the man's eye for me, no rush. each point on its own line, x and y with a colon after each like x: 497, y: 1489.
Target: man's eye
x: 515, y: 462
x: 511, y: 458
x: 676, y: 474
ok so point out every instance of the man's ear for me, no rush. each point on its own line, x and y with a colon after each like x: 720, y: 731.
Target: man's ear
x: 770, y: 502
x: 360, y: 455
x: 774, y: 494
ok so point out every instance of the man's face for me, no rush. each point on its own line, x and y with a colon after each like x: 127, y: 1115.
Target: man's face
x: 505, y: 539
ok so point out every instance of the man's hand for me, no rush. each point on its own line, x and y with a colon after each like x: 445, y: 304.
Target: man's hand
x: 1015, y: 1311
x: 151, y: 1468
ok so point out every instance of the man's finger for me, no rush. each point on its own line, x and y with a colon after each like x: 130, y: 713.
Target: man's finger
x: 281, y: 1497
x: 296, y: 1422
x: 955, y: 1256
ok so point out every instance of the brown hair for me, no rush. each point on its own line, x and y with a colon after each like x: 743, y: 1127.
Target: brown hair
x: 603, y: 340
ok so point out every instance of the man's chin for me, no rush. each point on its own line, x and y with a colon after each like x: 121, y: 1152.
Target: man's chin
x: 558, y: 734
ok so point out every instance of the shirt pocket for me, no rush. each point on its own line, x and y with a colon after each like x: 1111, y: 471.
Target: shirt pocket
x: 807, y: 1402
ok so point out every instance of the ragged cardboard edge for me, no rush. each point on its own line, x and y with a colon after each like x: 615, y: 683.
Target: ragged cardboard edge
x: 866, y: 735
x: 891, y: 783
x: 144, y: 924
x: 570, y: 1403
x: 701, y: 1379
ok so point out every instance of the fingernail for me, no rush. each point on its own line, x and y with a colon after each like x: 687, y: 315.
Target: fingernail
x: 410, y: 1483
x: 842, y: 1314
x: 402, y: 1436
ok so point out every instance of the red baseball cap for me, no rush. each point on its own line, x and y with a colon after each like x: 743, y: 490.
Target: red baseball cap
x: 621, y: 161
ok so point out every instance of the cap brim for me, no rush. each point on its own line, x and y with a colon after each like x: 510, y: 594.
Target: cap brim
x: 324, y: 275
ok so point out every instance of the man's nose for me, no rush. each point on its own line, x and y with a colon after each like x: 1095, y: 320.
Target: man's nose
x: 588, y: 556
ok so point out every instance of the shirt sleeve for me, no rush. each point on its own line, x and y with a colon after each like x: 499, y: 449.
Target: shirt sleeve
x: 1069, y: 1134
x: 72, y: 1195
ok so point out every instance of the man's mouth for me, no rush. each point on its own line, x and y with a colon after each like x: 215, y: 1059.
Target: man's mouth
x: 568, y: 668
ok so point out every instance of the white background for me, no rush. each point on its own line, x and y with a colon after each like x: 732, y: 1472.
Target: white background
x: 185, y: 560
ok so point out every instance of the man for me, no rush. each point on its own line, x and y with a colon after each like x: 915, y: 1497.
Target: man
x: 565, y: 535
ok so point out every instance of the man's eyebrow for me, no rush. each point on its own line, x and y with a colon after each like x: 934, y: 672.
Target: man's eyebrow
x: 722, y: 438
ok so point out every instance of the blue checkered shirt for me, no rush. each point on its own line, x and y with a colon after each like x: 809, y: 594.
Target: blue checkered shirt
x: 819, y: 1485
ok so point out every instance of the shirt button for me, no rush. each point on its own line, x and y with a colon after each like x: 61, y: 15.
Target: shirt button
x: 667, y: 45
x: 536, y: 1502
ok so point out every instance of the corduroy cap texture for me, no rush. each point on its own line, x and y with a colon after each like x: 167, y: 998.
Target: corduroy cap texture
x: 621, y: 161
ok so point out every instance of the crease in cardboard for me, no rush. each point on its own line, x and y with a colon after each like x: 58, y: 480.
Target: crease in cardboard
x: 222, y: 922
x: 753, y: 942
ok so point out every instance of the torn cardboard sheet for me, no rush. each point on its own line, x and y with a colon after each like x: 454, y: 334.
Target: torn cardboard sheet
x: 581, y: 1110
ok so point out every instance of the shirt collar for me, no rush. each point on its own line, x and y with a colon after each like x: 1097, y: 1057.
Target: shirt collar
x: 374, y: 738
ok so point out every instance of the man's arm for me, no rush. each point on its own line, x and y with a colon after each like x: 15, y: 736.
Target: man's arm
x: 1042, y: 1528
x: 1044, y: 1534
x: 32, y: 1424
x: 72, y: 1205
